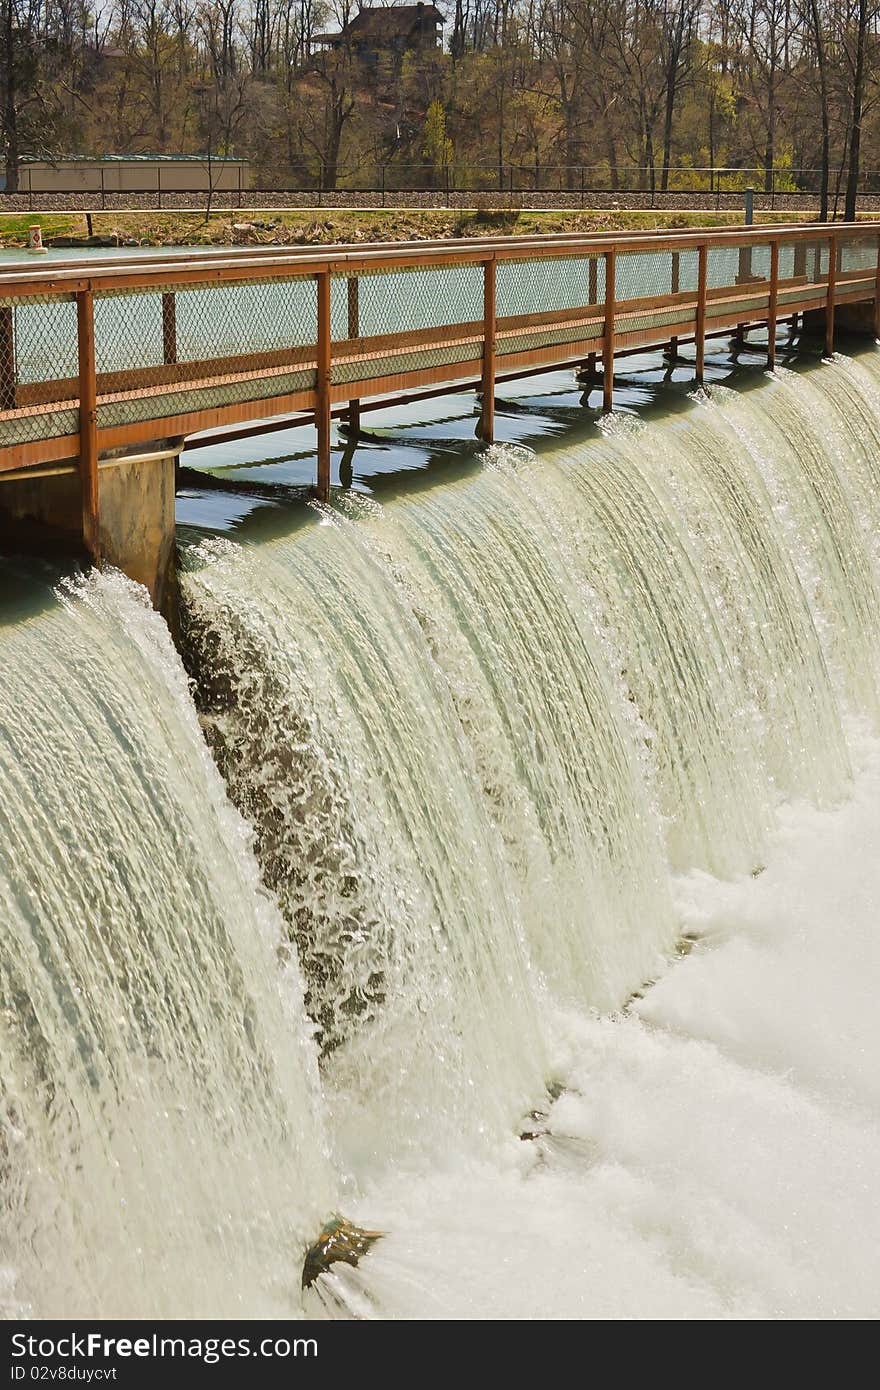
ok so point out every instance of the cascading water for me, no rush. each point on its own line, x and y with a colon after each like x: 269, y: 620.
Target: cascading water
x: 472, y: 729
x: 160, y: 1134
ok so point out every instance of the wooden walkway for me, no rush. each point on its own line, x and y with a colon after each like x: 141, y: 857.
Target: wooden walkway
x: 98, y: 357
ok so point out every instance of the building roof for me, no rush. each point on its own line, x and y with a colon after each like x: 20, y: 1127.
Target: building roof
x: 134, y: 159
x: 380, y: 22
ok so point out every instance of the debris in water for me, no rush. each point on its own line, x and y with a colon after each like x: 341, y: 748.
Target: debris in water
x: 540, y: 1130
x: 339, y: 1241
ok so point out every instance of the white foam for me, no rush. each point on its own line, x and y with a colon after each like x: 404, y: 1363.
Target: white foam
x: 717, y: 1154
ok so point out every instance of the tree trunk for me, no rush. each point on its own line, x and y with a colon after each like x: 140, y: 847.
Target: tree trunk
x: 649, y: 159
x: 823, y: 106
x: 10, y: 112
x: 667, y: 134
x: 611, y: 150
x: 855, y: 137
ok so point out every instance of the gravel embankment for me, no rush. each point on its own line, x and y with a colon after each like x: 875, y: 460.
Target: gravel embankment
x: 252, y: 199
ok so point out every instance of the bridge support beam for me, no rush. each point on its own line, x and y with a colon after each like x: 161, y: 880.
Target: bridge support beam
x: 41, y: 510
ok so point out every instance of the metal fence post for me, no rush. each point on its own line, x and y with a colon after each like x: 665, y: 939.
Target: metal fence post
x: 608, y: 331
x: 7, y: 358
x: 88, y: 422
x: 674, y: 285
x: 700, y: 334
x: 593, y: 291
x: 169, y: 328
x: 829, y: 300
x: 771, y: 309
x: 487, y: 385
x: 322, y: 385
x: 354, y: 331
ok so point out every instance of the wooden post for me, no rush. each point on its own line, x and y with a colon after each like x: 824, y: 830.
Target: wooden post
x: 877, y: 294
x: 88, y: 422
x: 771, y: 308
x: 322, y: 385
x: 7, y: 358
x: 675, y: 284
x: 169, y: 328
x: 829, y: 301
x: 608, y: 332
x: 700, y: 331
x: 354, y: 331
x: 487, y: 410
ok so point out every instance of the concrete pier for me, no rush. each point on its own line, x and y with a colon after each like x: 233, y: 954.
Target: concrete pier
x: 42, y: 509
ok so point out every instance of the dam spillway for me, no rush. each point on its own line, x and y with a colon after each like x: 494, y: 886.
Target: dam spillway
x: 476, y: 764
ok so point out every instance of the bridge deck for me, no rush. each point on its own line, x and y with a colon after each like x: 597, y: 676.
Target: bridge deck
x: 101, y: 356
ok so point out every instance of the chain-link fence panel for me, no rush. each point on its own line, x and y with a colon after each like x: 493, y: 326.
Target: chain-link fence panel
x: 543, y: 286
x: 659, y: 275
x: 186, y: 348
x: 39, y: 369
x: 858, y: 254
x: 417, y: 319
x: 568, y: 290
x: 405, y: 301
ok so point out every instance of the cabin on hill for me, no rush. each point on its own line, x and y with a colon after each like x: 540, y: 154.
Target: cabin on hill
x: 380, y: 32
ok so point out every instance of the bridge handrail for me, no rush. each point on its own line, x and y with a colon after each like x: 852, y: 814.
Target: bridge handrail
x: 246, y: 263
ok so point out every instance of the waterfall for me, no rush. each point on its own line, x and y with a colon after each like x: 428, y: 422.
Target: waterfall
x: 160, y: 1128
x: 328, y: 912
x: 475, y: 726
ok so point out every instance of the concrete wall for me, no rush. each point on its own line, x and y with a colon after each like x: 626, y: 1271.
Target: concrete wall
x: 42, y: 511
x: 848, y: 318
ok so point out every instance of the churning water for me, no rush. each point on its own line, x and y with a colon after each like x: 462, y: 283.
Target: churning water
x: 500, y: 750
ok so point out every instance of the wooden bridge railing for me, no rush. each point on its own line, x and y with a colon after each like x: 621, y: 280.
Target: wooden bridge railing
x: 99, y: 357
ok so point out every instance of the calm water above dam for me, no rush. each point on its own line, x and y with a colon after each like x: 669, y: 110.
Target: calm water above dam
x: 464, y: 764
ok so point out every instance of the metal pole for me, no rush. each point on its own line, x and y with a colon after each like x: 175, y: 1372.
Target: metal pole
x: 771, y: 310
x: 674, y: 286
x: 487, y: 384
x: 169, y: 328
x: 322, y: 385
x: 608, y: 332
x: 829, y: 301
x: 700, y: 331
x: 594, y: 298
x: 7, y: 358
x: 88, y: 422
x: 354, y: 331
x: 750, y: 206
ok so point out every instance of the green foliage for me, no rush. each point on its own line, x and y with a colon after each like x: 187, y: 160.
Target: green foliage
x: 437, y: 147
